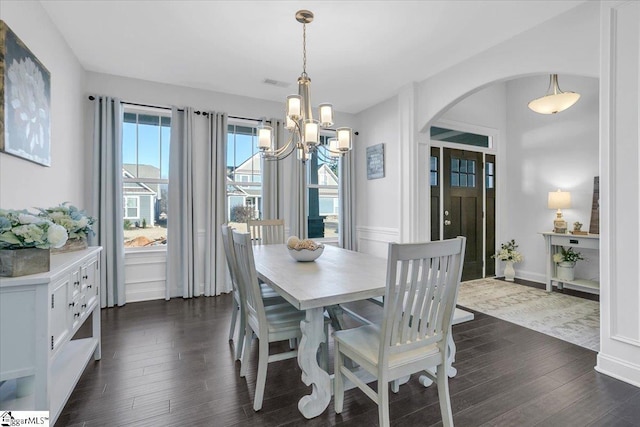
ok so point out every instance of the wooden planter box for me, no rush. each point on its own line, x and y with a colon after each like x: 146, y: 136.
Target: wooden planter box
x: 20, y: 262
x: 71, y: 245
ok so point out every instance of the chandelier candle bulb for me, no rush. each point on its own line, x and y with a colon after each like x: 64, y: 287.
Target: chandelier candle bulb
x: 326, y: 115
x: 294, y: 107
x: 344, y: 139
x: 311, y: 132
x: 265, y: 137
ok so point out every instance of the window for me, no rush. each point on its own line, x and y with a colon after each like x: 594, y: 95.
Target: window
x: 467, y: 138
x: 490, y: 175
x: 433, y: 171
x: 322, y: 194
x: 463, y: 172
x: 244, y: 175
x: 131, y: 207
x: 145, y: 172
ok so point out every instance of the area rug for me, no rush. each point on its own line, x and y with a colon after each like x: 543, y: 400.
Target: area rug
x: 566, y: 317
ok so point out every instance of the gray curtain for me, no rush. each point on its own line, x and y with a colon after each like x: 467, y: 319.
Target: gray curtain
x: 272, y: 174
x: 346, y: 193
x: 182, y: 242
x: 215, y: 268
x: 107, y: 198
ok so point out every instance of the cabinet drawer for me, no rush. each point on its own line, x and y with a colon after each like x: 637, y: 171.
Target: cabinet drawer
x: 575, y: 241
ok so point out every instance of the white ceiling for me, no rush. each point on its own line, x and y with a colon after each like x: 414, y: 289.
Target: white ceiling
x: 358, y: 52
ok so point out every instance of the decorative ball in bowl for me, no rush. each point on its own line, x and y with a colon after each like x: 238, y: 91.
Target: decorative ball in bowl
x: 304, y: 250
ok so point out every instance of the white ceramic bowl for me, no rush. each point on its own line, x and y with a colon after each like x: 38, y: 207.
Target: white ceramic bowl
x: 305, y: 255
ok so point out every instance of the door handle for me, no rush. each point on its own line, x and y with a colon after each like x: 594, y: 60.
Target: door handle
x: 447, y: 222
x: 446, y: 213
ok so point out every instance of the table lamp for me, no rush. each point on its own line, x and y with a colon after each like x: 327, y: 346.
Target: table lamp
x: 559, y: 200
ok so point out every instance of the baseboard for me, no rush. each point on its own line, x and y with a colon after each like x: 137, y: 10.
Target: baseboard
x: 618, y: 369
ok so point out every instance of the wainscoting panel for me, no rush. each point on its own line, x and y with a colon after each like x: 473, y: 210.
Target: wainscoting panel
x: 145, y: 274
x: 375, y: 240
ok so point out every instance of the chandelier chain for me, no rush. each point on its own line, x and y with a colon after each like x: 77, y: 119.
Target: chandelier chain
x: 304, y: 50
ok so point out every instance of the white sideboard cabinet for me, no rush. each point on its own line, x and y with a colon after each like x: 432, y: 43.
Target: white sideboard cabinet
x: 39, y: 314
x: 553, y: 243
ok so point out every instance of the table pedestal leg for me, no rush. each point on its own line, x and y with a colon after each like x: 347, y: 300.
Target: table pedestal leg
x: 312, y: 337
x: 451, y: 357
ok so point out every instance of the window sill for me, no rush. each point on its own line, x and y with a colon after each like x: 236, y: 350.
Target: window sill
x: 145, y: 250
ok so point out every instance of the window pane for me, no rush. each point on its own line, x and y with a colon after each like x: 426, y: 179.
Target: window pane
x: 455, y: 179
x: 434, y: 179
x: 145, y: 155
x: 463, y: 180
x: 244, y: 170
x: 455, y: 165
x: 463, y: 165
x: 434, y: 163
x: 467, y: 138
x: 472, y: 166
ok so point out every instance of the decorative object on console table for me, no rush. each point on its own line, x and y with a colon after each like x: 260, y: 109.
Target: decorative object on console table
x: 77, y: 223
x: 510, y: 255
x: 576, y: 229
x: 559, y: 200
x: 25, y: 240
x: 25, y: 99
x: 20, y: 262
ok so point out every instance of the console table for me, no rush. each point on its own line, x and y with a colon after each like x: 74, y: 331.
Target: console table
x: 39, y: 315
x: 553, y: 242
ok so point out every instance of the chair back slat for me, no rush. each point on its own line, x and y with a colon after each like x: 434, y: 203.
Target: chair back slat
x: 422, y: 285
x: 248, y: 280
x: 266, y: 231
x: 227, y: 242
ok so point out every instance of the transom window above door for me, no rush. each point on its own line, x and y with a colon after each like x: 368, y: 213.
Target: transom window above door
x: 459, y: 137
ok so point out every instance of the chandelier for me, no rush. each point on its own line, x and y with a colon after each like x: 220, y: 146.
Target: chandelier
x: 555, y: 99
x: 304, y: 130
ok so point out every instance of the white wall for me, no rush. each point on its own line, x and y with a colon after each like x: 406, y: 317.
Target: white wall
x: 544, y: 153
x: 25, y: 184
x: 377, y: 200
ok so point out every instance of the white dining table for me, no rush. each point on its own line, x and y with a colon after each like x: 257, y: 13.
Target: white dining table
x: 338, y: 276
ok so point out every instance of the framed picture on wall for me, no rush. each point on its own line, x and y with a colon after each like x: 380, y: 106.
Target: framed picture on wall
x: 375, y: 161
x: 25, y: 101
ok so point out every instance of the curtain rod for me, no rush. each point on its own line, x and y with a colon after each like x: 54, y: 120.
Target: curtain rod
x: 91, y: 97
x: 204, y: 113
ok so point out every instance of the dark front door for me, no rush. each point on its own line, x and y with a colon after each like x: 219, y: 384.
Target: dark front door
x: 463, y: 184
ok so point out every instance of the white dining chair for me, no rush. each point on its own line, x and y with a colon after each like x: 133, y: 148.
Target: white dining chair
x: 266, y: 231
x: 280, y: 324
x: 420, y: 296
x: 269, y: 296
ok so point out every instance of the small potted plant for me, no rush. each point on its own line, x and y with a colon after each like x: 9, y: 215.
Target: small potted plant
x: 566, y: 261
x: 510, y: 255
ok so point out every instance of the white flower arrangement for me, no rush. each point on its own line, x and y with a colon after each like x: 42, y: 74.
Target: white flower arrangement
x: 21, y: 229
x: 508, y: 252
x: 75, y: 221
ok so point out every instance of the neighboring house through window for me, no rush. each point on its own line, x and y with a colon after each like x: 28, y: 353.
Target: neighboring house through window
x: 322, y: 193
x: 244, y: 174
x: 145, y: 173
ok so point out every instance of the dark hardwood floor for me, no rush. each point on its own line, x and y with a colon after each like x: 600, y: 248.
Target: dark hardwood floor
x: 170, y: 364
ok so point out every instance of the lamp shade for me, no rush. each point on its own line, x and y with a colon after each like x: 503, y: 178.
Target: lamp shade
x: 555, y: 100
x: 326, y: 115
x: 294, y: 106
x: 344, y: 139
x: 559, y: 200
x: 551, y: 104
x: 265, y: 137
